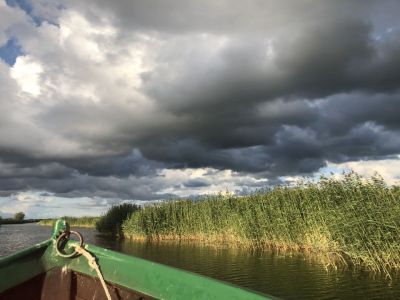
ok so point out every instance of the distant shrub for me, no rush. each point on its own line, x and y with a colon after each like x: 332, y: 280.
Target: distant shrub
x: 19, y: 216
x: 112, y: 221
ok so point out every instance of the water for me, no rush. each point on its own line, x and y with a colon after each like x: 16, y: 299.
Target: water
x: 285, y: 276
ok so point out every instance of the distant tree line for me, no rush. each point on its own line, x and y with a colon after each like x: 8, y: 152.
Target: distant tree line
x: 19, y: 218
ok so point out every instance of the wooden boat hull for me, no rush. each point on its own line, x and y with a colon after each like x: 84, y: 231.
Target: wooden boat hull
x: 39, y: 272
x: 66, y: 285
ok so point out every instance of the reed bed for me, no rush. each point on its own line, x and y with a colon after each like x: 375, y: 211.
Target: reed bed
x: 86, y: 221
x: 111, y: 221
x: 350, y: 220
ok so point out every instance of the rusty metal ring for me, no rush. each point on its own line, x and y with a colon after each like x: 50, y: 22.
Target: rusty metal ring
x: 65, y: 235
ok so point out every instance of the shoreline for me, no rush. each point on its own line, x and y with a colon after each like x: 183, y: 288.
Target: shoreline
x: 85, y: 222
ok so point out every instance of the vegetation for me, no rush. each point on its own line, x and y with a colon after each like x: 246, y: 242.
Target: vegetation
x: 112, y: 221
x: 73, y: 221
x: 354, y: 220
x: 19, y: 216
x: 109, y: 223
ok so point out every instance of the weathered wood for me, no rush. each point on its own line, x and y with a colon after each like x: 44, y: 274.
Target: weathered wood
x: 68, y: 285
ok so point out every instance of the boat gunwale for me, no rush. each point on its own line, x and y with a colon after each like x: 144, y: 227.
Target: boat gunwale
x: 147, y: 277
x: 6, y: 259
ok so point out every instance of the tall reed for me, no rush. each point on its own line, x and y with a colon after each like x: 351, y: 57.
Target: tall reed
x: 353, y: 219
x: 111, y: 221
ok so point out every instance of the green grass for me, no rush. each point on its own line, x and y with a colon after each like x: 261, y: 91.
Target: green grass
x: 352, y: 220
x: 73, y: 221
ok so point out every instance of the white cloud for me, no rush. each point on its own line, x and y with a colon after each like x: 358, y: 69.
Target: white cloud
x: 389, y: 169
x: 205, y: 181
x: 26, y: 71
x: 9, y: 18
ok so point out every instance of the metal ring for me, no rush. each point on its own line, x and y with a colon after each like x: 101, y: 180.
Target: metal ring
x: 65, y: 235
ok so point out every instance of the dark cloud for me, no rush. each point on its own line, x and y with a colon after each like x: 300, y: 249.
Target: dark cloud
x: 263, y: 88
x: 78, y: 185
x: 194, y: 183
x: 226, y: 16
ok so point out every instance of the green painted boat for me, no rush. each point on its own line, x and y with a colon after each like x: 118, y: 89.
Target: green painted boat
x: 64, y: 268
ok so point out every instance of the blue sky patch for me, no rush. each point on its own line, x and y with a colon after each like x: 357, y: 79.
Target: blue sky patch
x: 26, y: 6
x: 10, y: 51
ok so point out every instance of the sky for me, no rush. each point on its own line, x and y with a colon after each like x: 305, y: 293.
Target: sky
x: 104, y: 102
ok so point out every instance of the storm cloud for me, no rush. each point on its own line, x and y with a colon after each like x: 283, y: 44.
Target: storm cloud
x: 148, y: 100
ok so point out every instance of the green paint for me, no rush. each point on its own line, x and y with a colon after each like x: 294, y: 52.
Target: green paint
x: 134, y: 273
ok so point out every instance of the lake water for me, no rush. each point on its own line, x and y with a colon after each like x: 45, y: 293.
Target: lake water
x: 285, y: 276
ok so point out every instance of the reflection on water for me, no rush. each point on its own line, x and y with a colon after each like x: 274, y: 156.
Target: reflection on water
x: 286, y: 276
